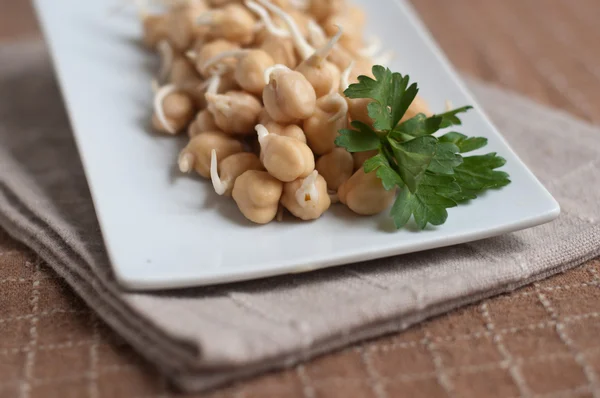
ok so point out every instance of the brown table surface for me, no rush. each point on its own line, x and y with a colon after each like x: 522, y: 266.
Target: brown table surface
x: 540, y: 341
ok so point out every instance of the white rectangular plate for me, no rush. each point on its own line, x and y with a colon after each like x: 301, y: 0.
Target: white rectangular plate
x: 163, y: 230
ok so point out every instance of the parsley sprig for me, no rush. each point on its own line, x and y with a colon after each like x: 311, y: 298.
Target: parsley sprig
x: 429, y: 171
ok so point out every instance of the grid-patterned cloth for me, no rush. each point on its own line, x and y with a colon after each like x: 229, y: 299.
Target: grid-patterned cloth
x: 541, y: 340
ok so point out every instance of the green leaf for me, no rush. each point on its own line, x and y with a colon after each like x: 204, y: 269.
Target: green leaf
x: 412, y: 158
x: 477, y: 174
x: 446, y: 158
x: 360, y: 139
x: 427, y: 205
x: 416, y: 126
x: 465, y: 144
x: 366, y: 87
x: 390, y: 95
x: 388, y: 176
x: 450, y: 119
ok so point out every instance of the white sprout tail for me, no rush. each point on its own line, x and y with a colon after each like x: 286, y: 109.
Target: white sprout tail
x: 166, y: 59
x: 384, y: 59
x: 338, y: 100
x: 263, y: 133
x: 266, y: 20
x: 159, y: 97
x: 224, y: 55
x: 305, y: 49
x: 345, y: 76
x: 219, y: 186
x: 448, y: 105
x: 372, y: 48
x: 186, y: 161
x: 324, y: 51
x: 316, y: 34
x: 308, y: 194
x: 267, y: 73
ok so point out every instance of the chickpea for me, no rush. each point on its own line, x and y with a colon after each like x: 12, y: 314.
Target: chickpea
x: 364, y: 194
x: 352, y: 39
x: 357, y: 107
x: 321, y: 129
x: 321, y: 10
x: 306, y: 198
x: 205, y: 52
x: 183, y: 72
x: 417, y: 106
x: 196, y: 155
x: 180, y: 29
x: 230, y: 169
x: 322, y: 74
x: 235, y: 112
x: 154, y: 28
x: 250, y: 70
x: 173, y: 110
x: 285, y: 158
x: 288, y: 95
x: 336, y: 167
x: 257, y: 195
x: 292, y: 130
x: 274, y: 40
x: 204, y: 122
x: 233, y: 22
x: 361, y: 157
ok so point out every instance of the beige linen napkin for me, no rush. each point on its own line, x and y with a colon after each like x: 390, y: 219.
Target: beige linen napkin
x: 204, y: 337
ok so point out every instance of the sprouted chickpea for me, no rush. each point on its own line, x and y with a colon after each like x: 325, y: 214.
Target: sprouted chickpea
x: 235, y: 112
x: 275, y: 41
x: 321, y: 129
x: 353, y: 18
x: 250, y: 69
x: 361, y: 157
x: 182, y: 72
x: 322, y: 74
x: 288, y: 96
x: 233, y: 22
x: 166, y: 53
x: 204, y: 52
x: 321, y: 10
x: 257, y: 195
x: 204, y: 122
x: 365, y: 195
x: 173, y: 109
x: 306, y: 198
x: 336, y: 167
x: 291, y: 130
x: 357, y: 107
x: 224, y: 173
x: 285, y: 158
x: 154, y: 26
x: 197, y: 154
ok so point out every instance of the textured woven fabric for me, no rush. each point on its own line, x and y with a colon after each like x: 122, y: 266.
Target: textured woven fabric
x: 205, y: 337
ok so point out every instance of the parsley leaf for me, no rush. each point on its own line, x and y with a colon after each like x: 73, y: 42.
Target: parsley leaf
x: 412, y: 158
x: 360, y: 139
x: 477, y: 174
x: 390, y: 93
x: 388, y: 176
x: 446, y: 158
x: 464, y: 143
x: 415, y: 127
x: 430, y: 173
x: 427, y: 205
x: 450, y: 119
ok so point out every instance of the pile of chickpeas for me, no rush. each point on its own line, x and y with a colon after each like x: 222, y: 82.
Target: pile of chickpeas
x: 258, y: 87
